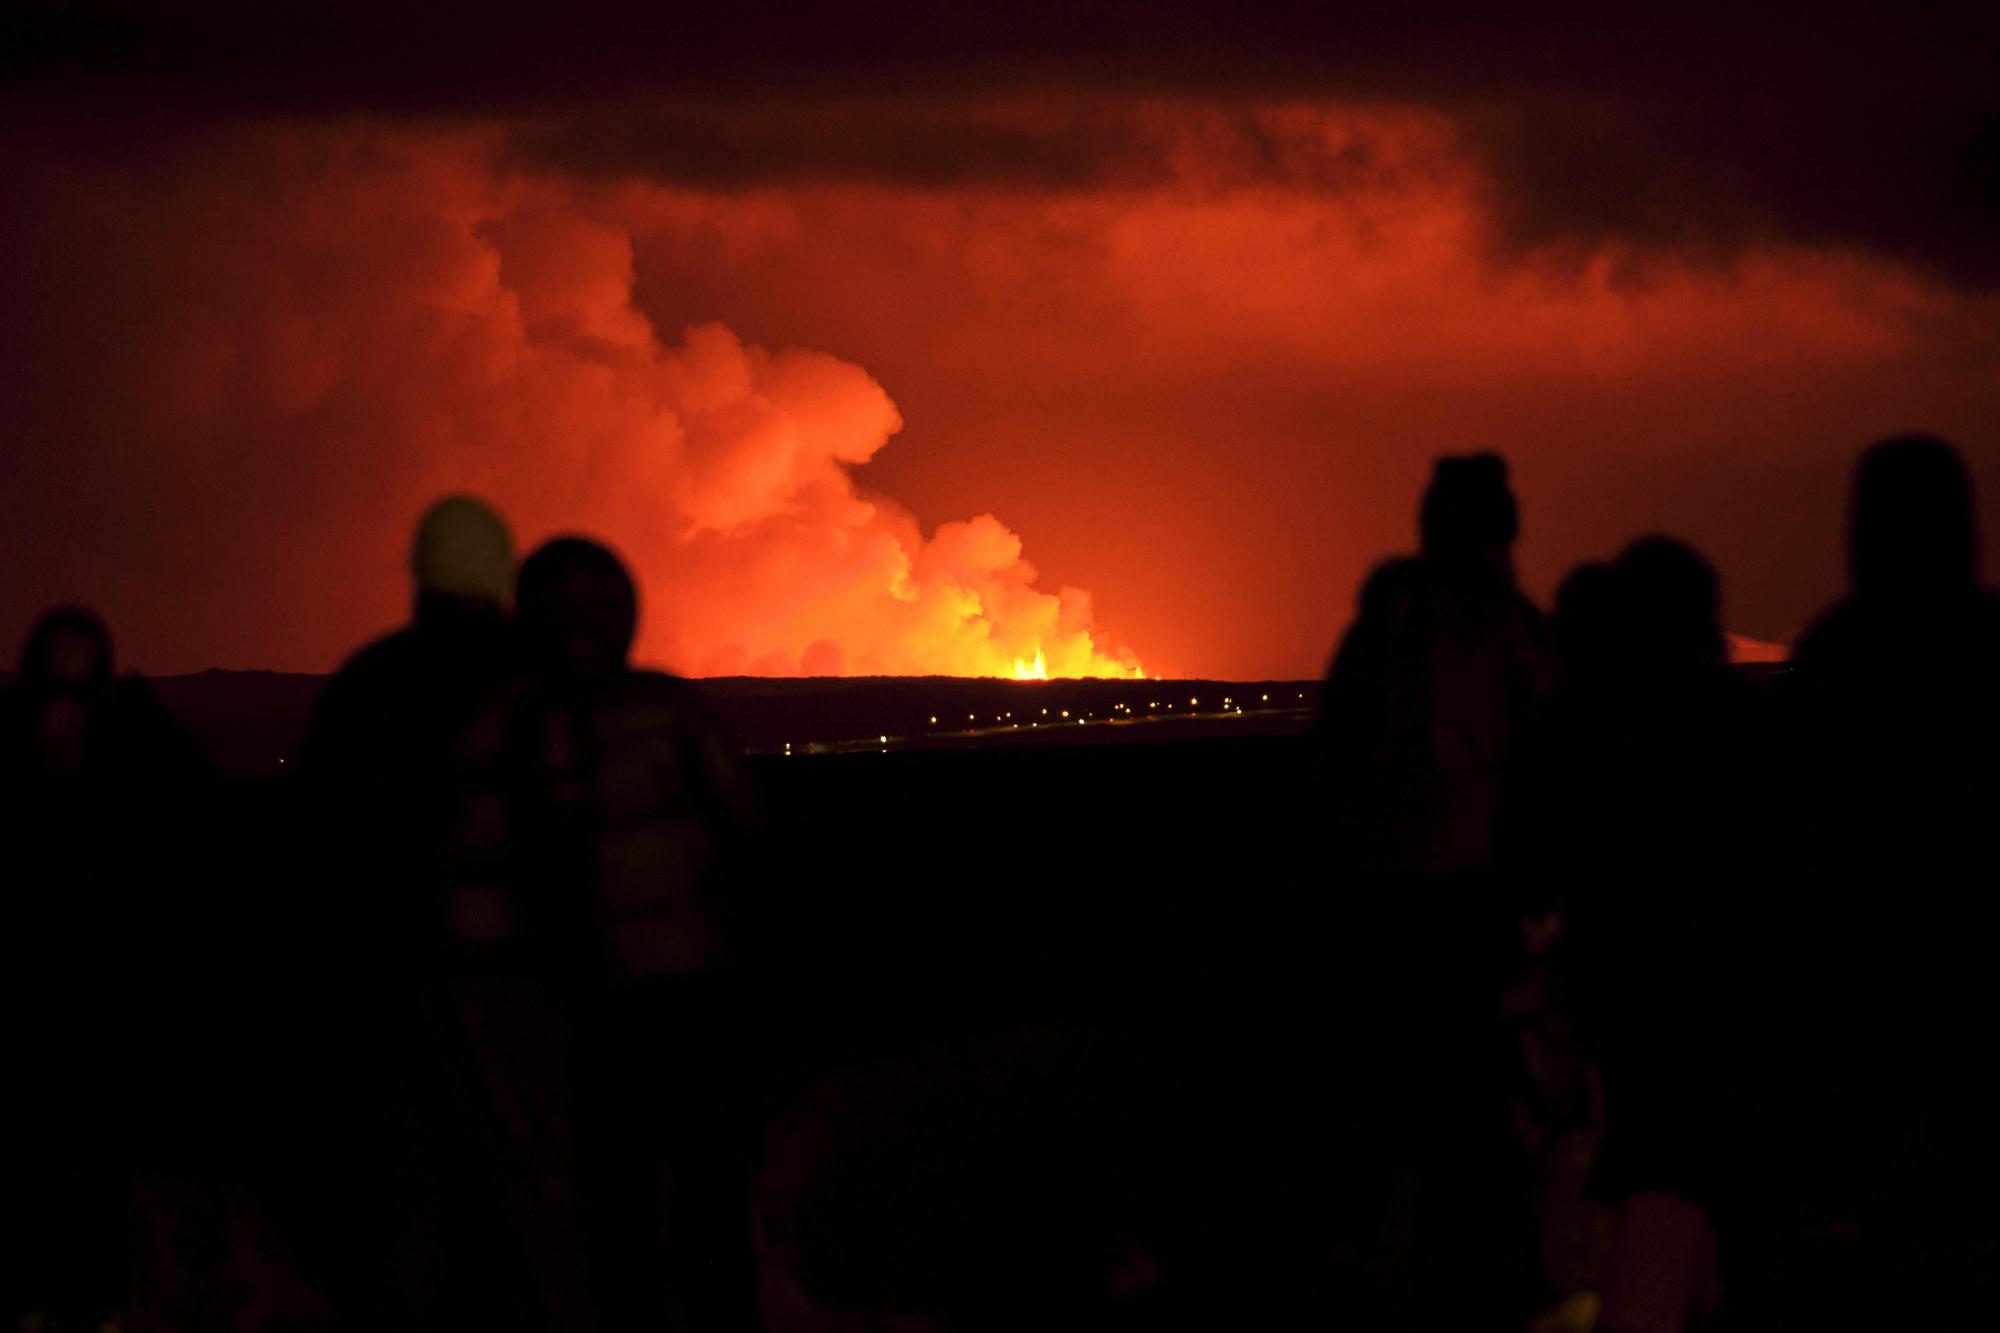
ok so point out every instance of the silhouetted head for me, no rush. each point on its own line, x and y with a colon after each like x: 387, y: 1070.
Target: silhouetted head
x: 1670, y: 604
x: 69, y: 652
x: 576, y: 608
x: 1468, y: 511
x: 463, y: 553
x: 1586, y: 619
x: 1911, y: 530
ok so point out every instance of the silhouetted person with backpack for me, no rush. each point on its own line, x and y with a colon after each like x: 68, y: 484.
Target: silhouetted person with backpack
x: 1431, y: 697
x: 635, y: 809
x: 1884, y: 992
x: 102, y: 798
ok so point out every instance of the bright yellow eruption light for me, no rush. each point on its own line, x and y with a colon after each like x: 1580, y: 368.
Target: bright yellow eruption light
x: 1036, y: 670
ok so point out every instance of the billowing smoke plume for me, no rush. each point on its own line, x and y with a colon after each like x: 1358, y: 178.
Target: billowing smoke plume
x: 312, y: 338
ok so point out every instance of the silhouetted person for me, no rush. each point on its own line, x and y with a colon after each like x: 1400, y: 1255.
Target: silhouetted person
x: 1642, y: 733
x: 1430, y: 698
x: 1897, y: 680
x: 1435, y: 684
x: 70, y: 724
x: 635, y: 808
x: 101, y: 794
x: 395, y: 1200
x: 1884, y: 991
x: 1654, y: 804
x: 382, y: 731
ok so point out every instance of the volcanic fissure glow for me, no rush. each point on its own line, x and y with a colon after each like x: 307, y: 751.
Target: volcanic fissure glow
x: 399, y: 315
x: 766, y: 557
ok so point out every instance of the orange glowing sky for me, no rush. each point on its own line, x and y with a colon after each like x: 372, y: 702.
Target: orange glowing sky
x: 849, y: 418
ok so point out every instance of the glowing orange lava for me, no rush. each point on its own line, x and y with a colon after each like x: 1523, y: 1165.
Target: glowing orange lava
x: 1035, y: 670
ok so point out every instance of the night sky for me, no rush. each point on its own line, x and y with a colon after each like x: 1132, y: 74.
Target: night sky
x: 874, y: 342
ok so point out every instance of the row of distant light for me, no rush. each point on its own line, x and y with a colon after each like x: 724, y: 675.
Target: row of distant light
x: 1228, y: 705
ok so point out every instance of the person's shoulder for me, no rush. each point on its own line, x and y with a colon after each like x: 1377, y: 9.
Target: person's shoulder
x: 1397, y: 570
x: 644, y: 683
x: 135, y: 696
x: 352, y: 699
x: 144, y: 720
x: 388, y: 652
x: 1830, y: 636
x: 1392, y: 580
x: 1523, y: 609
x: 1979, y: 628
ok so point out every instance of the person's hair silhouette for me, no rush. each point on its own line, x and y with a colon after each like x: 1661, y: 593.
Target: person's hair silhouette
x: 1468, y: 511
x: 1911, y: 530
x: 1669, y: 602
x: 577, y: 609
x: 69, y: 649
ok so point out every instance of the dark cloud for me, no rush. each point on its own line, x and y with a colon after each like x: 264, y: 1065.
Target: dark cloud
x: 1065, y: 142
x: 1700, y: 131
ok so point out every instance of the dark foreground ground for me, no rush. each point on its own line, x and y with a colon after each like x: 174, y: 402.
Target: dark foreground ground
x: 1157, y: 919
x: 1027, y: 993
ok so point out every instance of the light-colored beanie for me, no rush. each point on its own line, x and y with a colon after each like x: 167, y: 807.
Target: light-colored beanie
x: 463, y: 549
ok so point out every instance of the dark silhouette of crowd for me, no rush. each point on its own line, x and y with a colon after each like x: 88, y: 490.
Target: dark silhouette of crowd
x: 499, y: 1055
x: 1738, y: 929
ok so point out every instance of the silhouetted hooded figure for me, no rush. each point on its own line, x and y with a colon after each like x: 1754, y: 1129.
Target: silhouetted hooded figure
x: 1892, y: 1004
x: 635, y: 811
x: 101, y: 796
x: 1431, y: 698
